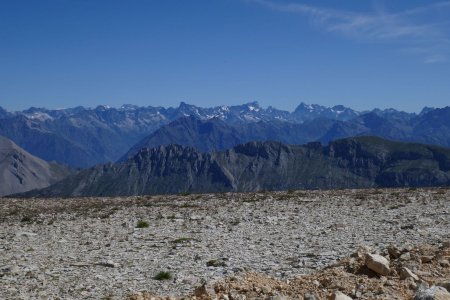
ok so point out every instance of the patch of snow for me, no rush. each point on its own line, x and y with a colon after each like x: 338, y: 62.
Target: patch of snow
x: 129, y: 107
x: 253, y: 108
x: 41, y: 116
x: 250, y: 117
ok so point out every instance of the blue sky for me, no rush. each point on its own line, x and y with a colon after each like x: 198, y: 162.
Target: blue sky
x: 360, y: 53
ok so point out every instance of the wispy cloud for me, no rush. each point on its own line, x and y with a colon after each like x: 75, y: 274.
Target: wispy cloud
x: 426, y: 27
x: 432, y: 59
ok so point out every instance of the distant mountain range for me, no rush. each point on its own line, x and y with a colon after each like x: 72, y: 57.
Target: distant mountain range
x: 79, y: 137
x: 21, y: 171
x: 216, y: 134
x: 432, y: 127
x: 348, y: 163
x: 83, y: 137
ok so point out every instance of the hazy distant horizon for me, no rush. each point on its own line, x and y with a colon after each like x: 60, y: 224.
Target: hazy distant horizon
x: 93, y: 106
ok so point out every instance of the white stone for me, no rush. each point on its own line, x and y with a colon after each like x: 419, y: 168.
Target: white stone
x: 433, y: 293
x: 339, y: 296
x: 377, y: 263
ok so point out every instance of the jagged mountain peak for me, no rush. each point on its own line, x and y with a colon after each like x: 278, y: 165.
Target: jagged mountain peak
x: 184, y: 105
x: 103, y: 107
x: 339, y: 107
x: 303, y: 107
x: 307, y: 112
x: 3, y: 112
x: 129, y: 107
x: 82, y: 137
x: 252, y: 106
x: 425, y: 110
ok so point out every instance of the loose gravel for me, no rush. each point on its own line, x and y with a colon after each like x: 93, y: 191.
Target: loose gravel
x: 92, y: 248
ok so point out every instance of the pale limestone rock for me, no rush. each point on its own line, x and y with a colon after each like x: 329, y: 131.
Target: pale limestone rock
x: 362, y: 251
x: 433, y: 293
x: 378, y: 264
x: 279, y: 297
x: 444, y: 263
x: 309, y: 296
x: 426, y: 258
x: 27, y: 234
x: 339, y: 296
x: 407, y: 273
x: 405, y: 256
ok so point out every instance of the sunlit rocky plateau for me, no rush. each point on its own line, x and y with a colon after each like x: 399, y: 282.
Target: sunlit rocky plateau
x: 266, y: 245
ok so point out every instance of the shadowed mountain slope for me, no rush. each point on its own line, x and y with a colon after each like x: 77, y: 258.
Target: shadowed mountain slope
x: 347, y: 163
x: 215, y: 134
x: 431, y: 127
x: 21, y: 172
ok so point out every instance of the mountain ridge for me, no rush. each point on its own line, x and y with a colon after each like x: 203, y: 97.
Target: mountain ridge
x: 361, y: 162
x: 83, y: 137
x: 216, y: 134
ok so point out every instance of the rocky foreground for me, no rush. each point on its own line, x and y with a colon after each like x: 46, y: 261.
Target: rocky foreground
x: 272, y: 245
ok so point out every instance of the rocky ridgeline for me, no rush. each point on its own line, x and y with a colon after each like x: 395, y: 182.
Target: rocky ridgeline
x: 274, y: 245
x: 360, y: 162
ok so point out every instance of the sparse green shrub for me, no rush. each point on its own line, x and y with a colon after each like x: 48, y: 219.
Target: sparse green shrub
x: 182, y: 240
x: 26, y: 219
x: 14, y: 212
x: 142, y: 224
x: 189, y: 205
x: 235, y: 222
x: 216, y: 263
x: 377, y: 192
x: 163, y: 275
x: 361, y: 196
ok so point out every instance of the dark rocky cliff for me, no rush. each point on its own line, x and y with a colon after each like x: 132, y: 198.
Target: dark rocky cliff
x: 347, y: 163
